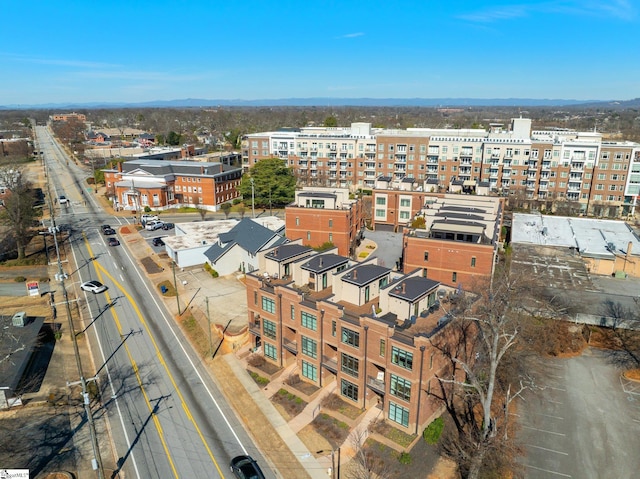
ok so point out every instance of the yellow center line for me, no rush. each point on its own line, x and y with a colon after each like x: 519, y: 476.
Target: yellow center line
x: 99, y: 269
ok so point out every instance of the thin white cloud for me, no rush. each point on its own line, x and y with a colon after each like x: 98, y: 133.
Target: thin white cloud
x: 621, y: 9
x: 352, y: 35
x: 58, y: 62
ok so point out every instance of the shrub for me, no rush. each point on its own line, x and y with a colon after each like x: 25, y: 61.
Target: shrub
x: 147, y: 209
x: 210, y: 270
x: 433, y: 431
x: 237, y: 201
x: 19, y: 279
x: 404, y: 458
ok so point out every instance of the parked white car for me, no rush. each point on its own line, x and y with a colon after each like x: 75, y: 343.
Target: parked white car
x: 153, y: 225
x: 146, y: 218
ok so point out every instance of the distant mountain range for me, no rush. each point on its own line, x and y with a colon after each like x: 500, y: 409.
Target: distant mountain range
x: 338, y: 102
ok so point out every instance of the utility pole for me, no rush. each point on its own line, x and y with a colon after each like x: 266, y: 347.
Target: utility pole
x: 175, y: 284
x: 209, y: 321
x: 253, y: 199
x: 96, y: 462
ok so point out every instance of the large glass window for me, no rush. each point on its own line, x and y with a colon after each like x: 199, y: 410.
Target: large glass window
x: 309, y: 371
x: 350, y: 365
x: 309, y: 347
x: 268, y: 305
x: 398, y: 414
x: 348, y: 389
x: 402, y: 358
x: 350, y: 337
x: 400, y: 387
x: 269, y: 328
x: 270, y: 351
x: 309, y: 321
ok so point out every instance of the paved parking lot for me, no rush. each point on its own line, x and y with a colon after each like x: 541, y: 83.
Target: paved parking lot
x: 582, y: 422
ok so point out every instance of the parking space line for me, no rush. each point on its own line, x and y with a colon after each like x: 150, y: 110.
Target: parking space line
x: 555, y: 402
x: 547, y: 470
x: 547, y: 415
x: 546, y: 449
x: 555, y: 388
x: 544, y: 430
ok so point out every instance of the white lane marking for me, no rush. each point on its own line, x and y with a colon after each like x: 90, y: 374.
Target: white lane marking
x: 546, y: 449
x: 547, y: 470
x: 544, y: 430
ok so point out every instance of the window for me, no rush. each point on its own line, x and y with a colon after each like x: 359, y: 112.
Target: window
x: 404, y: 215
x: 270, y: 351
x: 400, y: 387
x: 383, y: 282
x: 308, y: 235
x: 309, y: 321
x: 398, y: 414
x: 349, y: 365
x: 405, y: 202
x: 352, y: 338
x: 349, y: 390
x: 293, y: 312
x: 333, y: 328
x: 383, y: 347
x: 380, y: 213
x: 297, y: 221
x: 473, y: 261
x: 255, y: 297
x: 309, y: 371
x: 268, y: 305
x: 381, y: 200
x: 309, y: 347
x: 330, y: 223
x: 454, y: 277
x: 426, y: 256
x: 269, y: 328
x: 402, y: 358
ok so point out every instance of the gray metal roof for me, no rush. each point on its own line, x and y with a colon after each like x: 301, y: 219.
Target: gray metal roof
x: 286, y: 252
x: 365, y: 274
x: 247, y: 234
x: 324, y: 262
x: 413, y: 288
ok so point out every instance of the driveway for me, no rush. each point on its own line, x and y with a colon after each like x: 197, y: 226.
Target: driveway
x: 389, y: 246
x: 583, y: 422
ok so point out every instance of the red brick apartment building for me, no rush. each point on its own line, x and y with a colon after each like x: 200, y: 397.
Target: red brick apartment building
x: 366, y: 327
x: 161, y: 184
x: 460, y: 242
x: 538, y: 169
x: 325, y: 215
x: 69, y: 116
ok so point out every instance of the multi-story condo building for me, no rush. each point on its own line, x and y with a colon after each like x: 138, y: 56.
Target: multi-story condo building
x: 370, y: 329
x: 325, y: 215
x: 539, y: 169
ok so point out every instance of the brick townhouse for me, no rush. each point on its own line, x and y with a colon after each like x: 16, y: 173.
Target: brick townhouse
x: 370, y: 329
x: 325, y: 215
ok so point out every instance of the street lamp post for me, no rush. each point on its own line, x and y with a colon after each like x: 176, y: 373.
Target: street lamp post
x: 253, y: 199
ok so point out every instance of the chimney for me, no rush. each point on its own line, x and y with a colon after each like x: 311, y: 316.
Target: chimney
x: 321, y: 261
x: 355, y: 274
x: 404, y: 288
x: 119, y: 167
x: 629, y: 247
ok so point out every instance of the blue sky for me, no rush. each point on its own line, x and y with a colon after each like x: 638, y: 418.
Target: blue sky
x: 128, y: 51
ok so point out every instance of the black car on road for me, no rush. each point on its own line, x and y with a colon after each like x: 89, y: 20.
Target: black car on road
x: 113, y: 242
x: 158, y: 241
x: 244, y: 467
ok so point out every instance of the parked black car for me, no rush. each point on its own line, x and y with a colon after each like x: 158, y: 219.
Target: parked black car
x: 108, y: 231
x: 158, y: 242
x: 168, y: 226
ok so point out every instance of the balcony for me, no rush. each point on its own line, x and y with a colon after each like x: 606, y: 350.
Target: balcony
x: 376, y: 384
x: 254, y: 327
x: 330, y: 363
x: 290, y: 345
x: 546, y: 165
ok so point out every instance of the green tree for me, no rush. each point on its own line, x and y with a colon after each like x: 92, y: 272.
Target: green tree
x: 173, y: 138
x: 274, y: 184
x: 330, y: 121
x: 226, y: 209
x: 17, y: 210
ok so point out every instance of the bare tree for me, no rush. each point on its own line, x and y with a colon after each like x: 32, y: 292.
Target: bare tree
x: 366, y: 464
x: 202, y: 211
x: 17, y: 210
x: 482, y: 379
x: 226, y: 209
